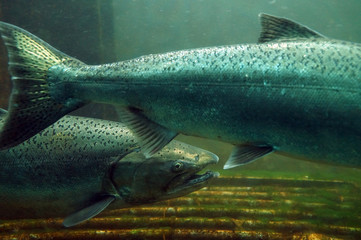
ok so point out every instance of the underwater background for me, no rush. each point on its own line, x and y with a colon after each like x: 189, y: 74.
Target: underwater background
x: 275, y: 197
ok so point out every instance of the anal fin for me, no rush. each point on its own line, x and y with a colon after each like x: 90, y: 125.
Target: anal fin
x: 88, y: 212
x: 152, y: 136
x: 247, y: 153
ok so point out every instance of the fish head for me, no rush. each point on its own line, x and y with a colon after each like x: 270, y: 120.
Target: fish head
x: 170, y: 173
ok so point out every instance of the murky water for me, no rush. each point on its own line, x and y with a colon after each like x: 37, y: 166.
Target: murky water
x: 295, y: 197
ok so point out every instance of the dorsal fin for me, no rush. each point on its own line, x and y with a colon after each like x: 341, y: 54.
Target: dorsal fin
x: 276, y: 28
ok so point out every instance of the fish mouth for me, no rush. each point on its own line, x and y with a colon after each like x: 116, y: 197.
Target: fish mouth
x: 188, y: 182
x: 190, y: 179
x: 196, y: 179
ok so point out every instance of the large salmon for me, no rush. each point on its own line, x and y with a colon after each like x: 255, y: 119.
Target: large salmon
x: 295, y: 91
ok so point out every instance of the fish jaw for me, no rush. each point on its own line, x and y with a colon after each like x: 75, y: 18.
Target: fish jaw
x: 171, y: 172
x: 185, y: 184
x: 189, y: 180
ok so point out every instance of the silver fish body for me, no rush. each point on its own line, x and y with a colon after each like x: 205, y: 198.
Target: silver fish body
x: 295, y: 92
x: 301, y: 97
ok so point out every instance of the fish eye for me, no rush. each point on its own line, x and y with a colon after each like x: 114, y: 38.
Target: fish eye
x: 196, y: 158
x: 178, y: 166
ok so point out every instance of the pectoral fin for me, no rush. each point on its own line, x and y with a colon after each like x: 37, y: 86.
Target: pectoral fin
x: 88, y: 212
x: 152, y: 136
x: 247, y: 153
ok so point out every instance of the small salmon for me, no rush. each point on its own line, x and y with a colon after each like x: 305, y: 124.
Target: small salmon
x: 79, y: 166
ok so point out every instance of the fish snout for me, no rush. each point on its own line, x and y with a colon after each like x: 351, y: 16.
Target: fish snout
x: 206, y: 157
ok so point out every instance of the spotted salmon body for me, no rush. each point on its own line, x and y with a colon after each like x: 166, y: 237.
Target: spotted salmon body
x: 295, y: 92
x: 78, y: 166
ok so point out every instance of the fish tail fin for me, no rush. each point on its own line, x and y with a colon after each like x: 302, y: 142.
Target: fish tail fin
x: 31, y: 107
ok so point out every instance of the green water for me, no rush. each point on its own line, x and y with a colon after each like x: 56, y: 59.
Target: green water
x: 105, y: 31
x: 97, y: 31
x: 143, y: 27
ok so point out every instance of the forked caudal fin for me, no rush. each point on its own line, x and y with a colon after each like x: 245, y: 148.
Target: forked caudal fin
x: 31, y: 108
